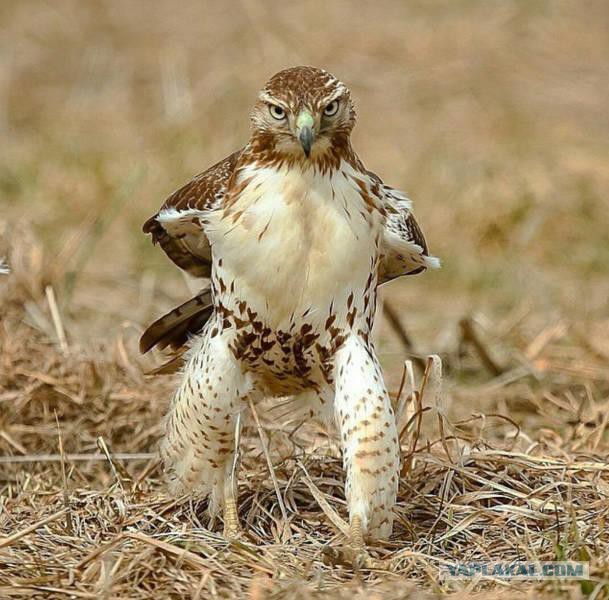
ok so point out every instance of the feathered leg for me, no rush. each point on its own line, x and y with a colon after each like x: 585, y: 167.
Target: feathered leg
x: 199, y: 444
x: 369, y: 440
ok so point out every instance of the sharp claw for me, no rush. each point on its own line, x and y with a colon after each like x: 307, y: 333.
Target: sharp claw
x: 349, y: 556
x: 354, y: 553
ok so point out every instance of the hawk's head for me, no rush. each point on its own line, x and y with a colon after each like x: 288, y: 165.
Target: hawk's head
x: 303, y: 113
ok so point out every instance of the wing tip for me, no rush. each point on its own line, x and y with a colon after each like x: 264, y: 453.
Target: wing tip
x: 148, y: 339
x: 433, y: 262
x: 151, y: 224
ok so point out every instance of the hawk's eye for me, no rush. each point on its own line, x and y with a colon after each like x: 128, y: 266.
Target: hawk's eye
x: 277, y: 112
x: 331, y: 109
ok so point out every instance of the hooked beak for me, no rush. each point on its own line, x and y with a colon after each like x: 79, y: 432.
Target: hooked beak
x: 306, y: 140
x: 304, y: 130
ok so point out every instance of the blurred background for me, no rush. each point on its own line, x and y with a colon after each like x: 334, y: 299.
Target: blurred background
x: 492, y: 116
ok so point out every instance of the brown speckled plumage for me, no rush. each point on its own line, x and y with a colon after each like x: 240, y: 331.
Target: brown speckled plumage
x: 295, y: 235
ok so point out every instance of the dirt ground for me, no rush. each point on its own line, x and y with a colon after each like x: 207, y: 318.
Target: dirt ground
x: 492, y: 116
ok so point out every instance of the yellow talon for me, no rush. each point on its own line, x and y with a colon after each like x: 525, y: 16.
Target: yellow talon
x: 231, y: 519
x: 356, y: 534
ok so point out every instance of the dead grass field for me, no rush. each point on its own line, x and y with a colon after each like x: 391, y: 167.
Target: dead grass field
x: 491, y: 115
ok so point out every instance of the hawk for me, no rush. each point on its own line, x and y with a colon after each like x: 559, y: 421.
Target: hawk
x: 295, y: 235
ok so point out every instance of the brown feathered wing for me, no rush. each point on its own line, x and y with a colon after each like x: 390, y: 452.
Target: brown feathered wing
x: 176, y: 227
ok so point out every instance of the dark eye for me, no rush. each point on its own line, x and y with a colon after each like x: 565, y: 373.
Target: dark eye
x: 331, y: 109
x: 277, y: 112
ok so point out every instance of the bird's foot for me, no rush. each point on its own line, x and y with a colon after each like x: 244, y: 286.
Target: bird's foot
x: 355, y: 550
x: 232, y: 529
x: 353, y: 554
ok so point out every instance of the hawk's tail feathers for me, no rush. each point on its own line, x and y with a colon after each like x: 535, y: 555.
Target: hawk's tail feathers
x: 173, y: 365
x: 175, y: 328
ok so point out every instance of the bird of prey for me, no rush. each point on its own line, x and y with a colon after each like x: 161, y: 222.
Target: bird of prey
x: 295, y: 235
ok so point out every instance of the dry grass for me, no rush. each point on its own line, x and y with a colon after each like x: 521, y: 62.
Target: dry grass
x: 493, y: 117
